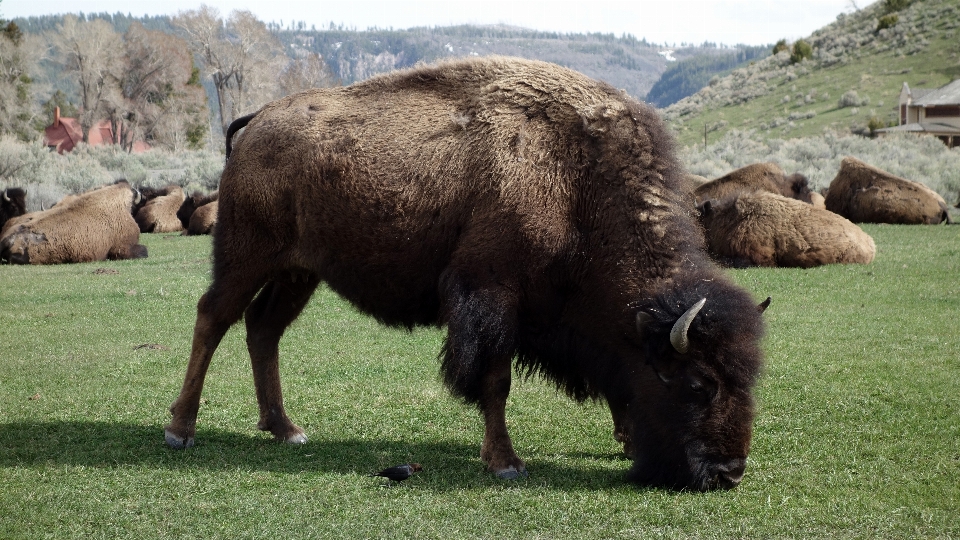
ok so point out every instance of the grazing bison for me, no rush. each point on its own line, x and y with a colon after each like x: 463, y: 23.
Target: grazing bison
x: 866, y: 194
x: 766, y: 229
x: 203, y: 219
x: 93, y: 226
x: 535, y: 213
x: 190, y: 205
x: 159, y: 214
x: 756, y: 177
x: 13, y: 203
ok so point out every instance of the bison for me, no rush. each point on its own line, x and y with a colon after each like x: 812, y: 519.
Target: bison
x: 756, y: 177
x: 535, y: 213
x: 866, y: 194
x: 13, y: 203
x: 93, y: 226
x: 190, y: 205
x: 765, y: 229
x: 159, y: 214
x: 203, y: 219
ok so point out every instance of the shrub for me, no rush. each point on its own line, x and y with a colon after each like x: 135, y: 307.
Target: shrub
x: 780, y: 46
x: 850, y: 98
x: 889, y: 6
x: 801, y: 51
x: 888, y: 21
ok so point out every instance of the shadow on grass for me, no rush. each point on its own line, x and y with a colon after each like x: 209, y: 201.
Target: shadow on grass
x: 447, y: 465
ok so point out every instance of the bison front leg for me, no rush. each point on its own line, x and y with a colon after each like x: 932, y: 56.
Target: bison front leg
x: 277, y: 305
x: 477, y: 358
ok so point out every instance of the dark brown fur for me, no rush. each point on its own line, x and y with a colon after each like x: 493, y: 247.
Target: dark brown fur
x: 93, y: 226
x: 534, y: 212
x: 767, y: 177
x: 866, y: 194
x: 13, y: 203
x: 766, y: 229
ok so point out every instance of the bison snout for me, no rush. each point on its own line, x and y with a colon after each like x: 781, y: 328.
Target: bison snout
x: 729, y: 474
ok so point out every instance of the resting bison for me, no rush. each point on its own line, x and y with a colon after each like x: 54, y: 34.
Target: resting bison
x: 203, y: 219
x: 756, y: 177
x: 534, y: 212
x: 93, y: 226
x: 159, y: 215
x: 865, y: 194
x: 190, y: 205
x: 765, y: 229
x: 13, y: 203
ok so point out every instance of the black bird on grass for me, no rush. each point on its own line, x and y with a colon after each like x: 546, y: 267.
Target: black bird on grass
x: 400, y: 472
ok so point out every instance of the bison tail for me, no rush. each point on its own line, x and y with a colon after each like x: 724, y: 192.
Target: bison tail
x: 481, y: 330
x: 236, y: 126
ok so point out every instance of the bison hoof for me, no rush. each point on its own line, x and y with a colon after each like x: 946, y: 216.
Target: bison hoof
x: 297, y: 438
x: 177, y: 442
x: 512, y: 473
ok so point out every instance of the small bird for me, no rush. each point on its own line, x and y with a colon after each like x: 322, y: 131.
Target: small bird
x: 399, y: 473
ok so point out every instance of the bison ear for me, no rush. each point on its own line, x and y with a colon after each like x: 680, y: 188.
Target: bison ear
x: 704, y: 208
x: 763, y: 305
x: 643, y: 319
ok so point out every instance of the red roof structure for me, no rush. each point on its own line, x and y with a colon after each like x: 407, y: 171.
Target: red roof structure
x: 65, y: 133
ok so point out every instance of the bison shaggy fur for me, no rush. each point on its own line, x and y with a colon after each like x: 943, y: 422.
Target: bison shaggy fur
x: 538, y: 215
x: 865, y: 194
x: 765, y: 229
x: 92, y: 226
x: 159, y: 215
x: 767, y: 177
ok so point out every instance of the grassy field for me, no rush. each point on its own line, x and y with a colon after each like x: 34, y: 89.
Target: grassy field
x: 857, y: 433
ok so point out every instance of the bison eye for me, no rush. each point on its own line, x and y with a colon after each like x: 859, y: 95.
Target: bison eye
x: 697, y: 387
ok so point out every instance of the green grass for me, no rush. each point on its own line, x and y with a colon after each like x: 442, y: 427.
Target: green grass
x: 856, y: 435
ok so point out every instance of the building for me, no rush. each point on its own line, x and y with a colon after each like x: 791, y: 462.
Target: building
x: 65, y: 133
x: 930, y: 111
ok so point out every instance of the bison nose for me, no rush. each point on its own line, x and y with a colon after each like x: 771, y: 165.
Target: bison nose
x: 730, y: 474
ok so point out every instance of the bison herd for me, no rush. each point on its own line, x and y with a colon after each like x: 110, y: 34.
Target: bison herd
x: 100, y: 224
x: 754, y: 216
x: 540, y: 216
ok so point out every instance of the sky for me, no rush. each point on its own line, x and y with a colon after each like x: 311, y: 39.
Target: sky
x: 670, y: 22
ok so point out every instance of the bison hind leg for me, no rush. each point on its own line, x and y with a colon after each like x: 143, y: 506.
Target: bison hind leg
x: 278, y: 304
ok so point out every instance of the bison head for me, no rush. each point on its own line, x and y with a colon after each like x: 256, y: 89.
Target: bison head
x: 13, y: 203
x: 691, y: 419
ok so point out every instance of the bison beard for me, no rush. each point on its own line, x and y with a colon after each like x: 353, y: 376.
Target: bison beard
x: 535, y: 213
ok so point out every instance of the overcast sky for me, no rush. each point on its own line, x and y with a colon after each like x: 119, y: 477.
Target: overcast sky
x: 752, y: 22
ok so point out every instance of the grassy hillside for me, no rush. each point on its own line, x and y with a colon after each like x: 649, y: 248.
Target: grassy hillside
x: 781, y: 99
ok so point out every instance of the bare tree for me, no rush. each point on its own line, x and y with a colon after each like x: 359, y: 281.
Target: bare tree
x: 305, y: 72
x: 92, y: 52
x: 17, y: 57
x: 240, y: 56
x: 163, y: 99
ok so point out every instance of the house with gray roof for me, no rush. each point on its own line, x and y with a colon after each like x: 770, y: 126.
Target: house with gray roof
x: 931, y: 112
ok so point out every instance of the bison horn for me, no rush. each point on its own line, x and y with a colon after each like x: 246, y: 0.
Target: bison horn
x: 6, y: 196
x: 137, y: 196
x: 678, y: 334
